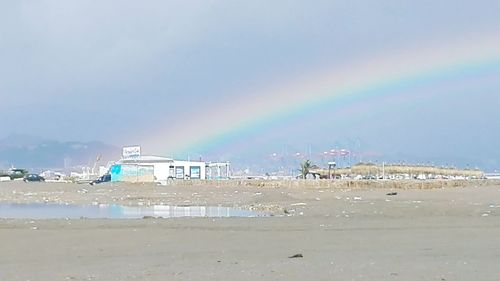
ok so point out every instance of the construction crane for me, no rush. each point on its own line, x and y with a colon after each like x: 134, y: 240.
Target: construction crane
x: 98, y: 158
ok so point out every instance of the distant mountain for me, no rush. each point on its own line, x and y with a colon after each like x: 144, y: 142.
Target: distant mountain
x: 18, y: 140
x: 34, y: 152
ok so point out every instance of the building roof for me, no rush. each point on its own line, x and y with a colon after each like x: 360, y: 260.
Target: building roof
x: 146, y: 159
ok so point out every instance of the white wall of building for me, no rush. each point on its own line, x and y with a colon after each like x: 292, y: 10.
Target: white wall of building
x: 166, y: 168
x: 161, y: 171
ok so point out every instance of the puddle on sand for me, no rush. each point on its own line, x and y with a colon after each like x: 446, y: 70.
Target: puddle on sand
x: 104, y: 211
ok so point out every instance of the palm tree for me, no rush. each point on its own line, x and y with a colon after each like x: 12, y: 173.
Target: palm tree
x: 304, y: 168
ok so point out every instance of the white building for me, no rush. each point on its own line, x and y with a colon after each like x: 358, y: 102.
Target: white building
x: 156, y: 168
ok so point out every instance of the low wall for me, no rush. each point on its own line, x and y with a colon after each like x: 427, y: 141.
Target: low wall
x: 341, y: 184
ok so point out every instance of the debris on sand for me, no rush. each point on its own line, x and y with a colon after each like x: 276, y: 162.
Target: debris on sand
x: 151, y: 217
x: 392, y: 194
x: 296, y: 256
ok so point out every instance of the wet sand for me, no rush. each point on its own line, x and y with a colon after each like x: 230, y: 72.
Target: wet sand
x: 362, y: 234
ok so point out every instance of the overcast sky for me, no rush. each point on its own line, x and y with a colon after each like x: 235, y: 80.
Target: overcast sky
x: 118, y: 71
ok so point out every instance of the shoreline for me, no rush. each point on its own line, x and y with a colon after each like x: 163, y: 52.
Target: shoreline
x: 275, y: 199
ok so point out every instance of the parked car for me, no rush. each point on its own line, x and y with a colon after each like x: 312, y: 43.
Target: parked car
x: 15, y: 173
x: 102, y: 179
x: 33, y: 178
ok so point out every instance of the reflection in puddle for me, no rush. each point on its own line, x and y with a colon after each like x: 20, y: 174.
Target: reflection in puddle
x: 104, y: 211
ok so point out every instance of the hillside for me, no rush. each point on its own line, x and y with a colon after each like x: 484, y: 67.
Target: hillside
x: 36, y: 153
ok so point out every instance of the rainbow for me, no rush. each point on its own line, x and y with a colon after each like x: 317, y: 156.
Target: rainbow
x: 343, y: 87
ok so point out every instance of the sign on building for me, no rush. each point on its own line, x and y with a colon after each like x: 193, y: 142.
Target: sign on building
x: 131, y: 152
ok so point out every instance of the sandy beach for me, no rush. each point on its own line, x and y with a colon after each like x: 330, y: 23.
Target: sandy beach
x: 342, y: 234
